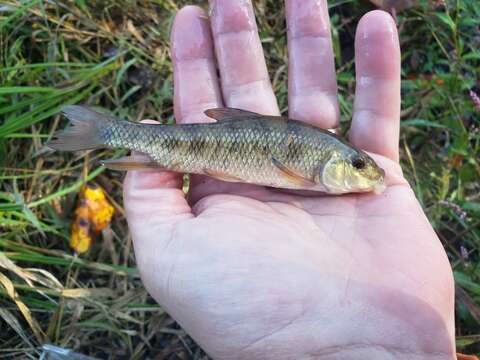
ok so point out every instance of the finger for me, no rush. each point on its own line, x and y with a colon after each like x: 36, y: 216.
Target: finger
x: 376, y: 119
x: 245, y: 82
x: 312, y: 85
x: 196, y: 86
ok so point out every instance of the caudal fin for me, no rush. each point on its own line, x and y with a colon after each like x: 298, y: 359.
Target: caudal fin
x: 84, y: 132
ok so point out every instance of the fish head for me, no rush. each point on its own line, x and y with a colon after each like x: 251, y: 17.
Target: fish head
x: 352, y: 171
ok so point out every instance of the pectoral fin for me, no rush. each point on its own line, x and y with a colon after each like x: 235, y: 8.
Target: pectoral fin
x: 221, y: 176
x: 221, y: 114
x: 292, y: 175
x: 131, y: 163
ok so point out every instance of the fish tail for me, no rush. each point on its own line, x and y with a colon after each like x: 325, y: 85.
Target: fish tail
x: 85, y: 132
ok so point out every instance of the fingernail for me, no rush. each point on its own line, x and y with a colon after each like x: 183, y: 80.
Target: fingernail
x: 191, y: 38
x: 377, y: 22
x: 308, y: 17
x: 232, y: 16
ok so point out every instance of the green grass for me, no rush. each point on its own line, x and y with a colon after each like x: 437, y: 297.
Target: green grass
x: 79, y: 51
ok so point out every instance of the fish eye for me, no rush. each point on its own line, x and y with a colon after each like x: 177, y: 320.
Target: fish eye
x: 358, y: 163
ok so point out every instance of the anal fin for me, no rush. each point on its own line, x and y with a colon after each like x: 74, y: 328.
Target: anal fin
x: 131, y: 163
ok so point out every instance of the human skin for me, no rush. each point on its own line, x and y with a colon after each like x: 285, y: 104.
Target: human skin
x: 257, y: 273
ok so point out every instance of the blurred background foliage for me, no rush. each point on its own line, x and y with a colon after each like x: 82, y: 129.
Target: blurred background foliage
x: 115, y: 54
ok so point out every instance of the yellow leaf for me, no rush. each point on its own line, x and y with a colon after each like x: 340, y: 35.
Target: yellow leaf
x: 81, y: 240
x: 101, y: 211
x: 93, y: 214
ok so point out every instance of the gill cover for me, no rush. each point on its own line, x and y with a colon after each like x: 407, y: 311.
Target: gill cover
x: 339, y: 175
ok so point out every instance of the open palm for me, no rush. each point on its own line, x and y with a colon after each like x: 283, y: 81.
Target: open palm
x: 256, y: 273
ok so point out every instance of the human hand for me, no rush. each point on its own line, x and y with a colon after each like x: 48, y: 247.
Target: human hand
x: 254, y: 273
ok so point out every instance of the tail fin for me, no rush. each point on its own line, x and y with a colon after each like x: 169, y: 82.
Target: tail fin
x: 85, y: 131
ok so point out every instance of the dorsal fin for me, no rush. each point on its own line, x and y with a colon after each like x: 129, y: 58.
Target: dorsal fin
x: 221, y: 114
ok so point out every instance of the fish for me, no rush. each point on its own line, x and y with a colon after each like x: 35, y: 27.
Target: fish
x: 241, y: 146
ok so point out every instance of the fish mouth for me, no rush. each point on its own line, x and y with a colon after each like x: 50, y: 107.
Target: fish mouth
x: 379, y: 187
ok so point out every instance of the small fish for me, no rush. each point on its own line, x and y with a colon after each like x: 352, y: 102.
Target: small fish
x: 241, y: 146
